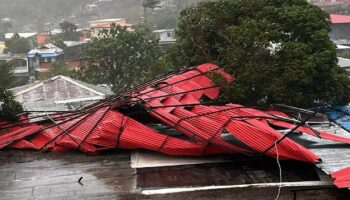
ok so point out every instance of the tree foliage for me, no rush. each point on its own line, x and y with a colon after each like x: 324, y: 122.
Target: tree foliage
x: 60, y: 68
x: 69, y: 31
x: 58, y: 42
x: 122, y: 58
x: 57, y: 68
x: 17, y: 45
x: 278, y: 51
x: 7, y: 79
x: 9, y: 108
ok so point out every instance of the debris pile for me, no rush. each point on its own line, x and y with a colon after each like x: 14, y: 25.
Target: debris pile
x: 168, y: 115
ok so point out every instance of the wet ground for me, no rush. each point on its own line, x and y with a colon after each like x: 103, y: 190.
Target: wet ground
x: 36, y: 175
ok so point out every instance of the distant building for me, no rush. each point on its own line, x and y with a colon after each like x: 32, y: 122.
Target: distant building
x: 22, y: 35
x: 340, y: 25
x: 342, y: 47
x: 99, y: 25
x: 2, y: 47
x: 344, y: 63
x: 59, y: 93
x: 327, y: 3
x: 19, y: 62
x: 42, y: 38
x: 55, y: 31
x: 84, y: 34
x: 166, y: 36
x: 73, y: 53
x: 41, y: 58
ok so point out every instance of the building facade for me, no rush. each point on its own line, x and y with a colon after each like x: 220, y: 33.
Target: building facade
x: 105, y: 24
x: 40, y: 59
x: 19, y: 63
x: 340, y: 25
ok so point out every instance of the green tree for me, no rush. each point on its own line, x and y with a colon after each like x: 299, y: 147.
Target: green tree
x: 122, y: 58
x: 7, y: 79
x: 60, y: 68
x: 58, y: 42
x: 9, y: 108
x: 278, y: 51
x: 17, y: 45
x: 69, y: 31
x: 57, y: 68
x: 149, y: 4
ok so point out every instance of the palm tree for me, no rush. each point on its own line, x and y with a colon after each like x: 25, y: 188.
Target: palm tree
x: 149, y: 4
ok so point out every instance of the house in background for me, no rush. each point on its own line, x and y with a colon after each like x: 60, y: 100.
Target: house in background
x: 42, y: 38
x: 73, y: 53
x: 344, y: 63
x: 19, y: 63
x: 340, y: 25
x: 59, y: 93
x: 84, y: 34
x: 40, y: 59
x: 166, y: 36
x: 99, y: 25
x: 2, y: 47
x: 328, y: 3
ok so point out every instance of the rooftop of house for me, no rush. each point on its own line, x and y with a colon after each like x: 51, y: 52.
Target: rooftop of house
x: 32, y: 175
x: 163, y: 30
x: 108, y: 20
x: 106, y: 23
x: 23, y: 35
x: 344, y: 62
x: 74, y: 43
x: 341, y: 47
x: 340, y: 19
x: 47, y: 50
x: 83, y: 29
x: 12, y: 56
x: 59, y: 93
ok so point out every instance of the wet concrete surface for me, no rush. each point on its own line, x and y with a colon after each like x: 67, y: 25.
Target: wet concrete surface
x: 36, y: 175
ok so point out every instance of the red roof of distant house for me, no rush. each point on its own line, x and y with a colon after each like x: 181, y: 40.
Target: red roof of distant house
x: 340, y: 19
x: 107, y: 25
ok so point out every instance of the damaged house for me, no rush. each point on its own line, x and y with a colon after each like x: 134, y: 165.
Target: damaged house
x: 167, y: 115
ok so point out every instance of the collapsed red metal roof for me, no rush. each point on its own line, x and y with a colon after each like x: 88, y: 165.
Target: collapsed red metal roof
x: 175, y: 102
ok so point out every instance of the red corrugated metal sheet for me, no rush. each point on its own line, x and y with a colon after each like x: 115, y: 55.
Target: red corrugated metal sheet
x: 17, y: 133
x: 342, y: 178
